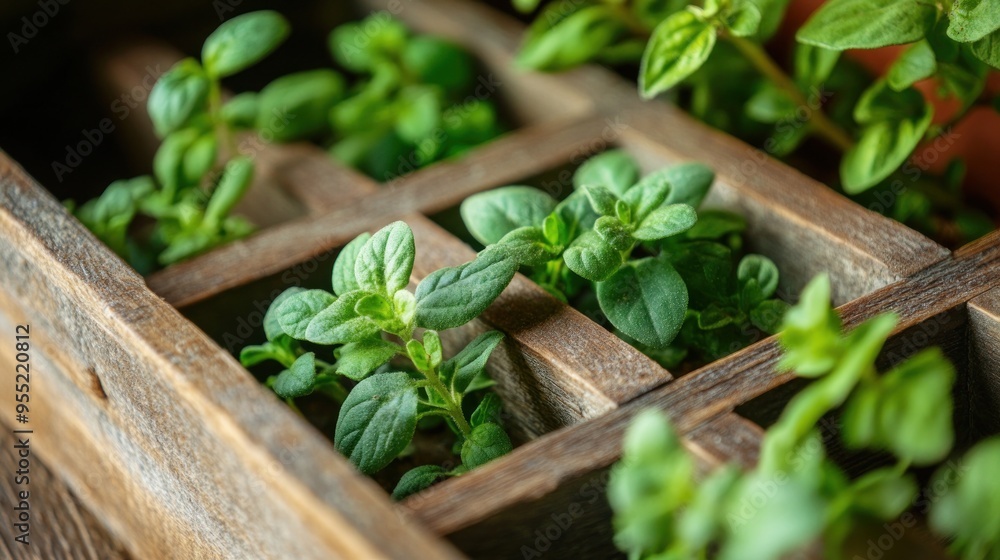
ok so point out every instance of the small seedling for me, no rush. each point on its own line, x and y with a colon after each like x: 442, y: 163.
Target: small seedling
x: 184, y: 209
x: 795, y: 496
x: 371, y: 318
x: 414, y: 101
x: 668, y: 279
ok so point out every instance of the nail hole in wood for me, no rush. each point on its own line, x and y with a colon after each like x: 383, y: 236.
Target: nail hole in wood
x: 95, y: 384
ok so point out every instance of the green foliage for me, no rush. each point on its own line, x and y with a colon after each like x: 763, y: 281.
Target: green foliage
x: 185, y: 207
x: 636, y: 251
x: 710, y: 57
x: 371, y: 318
x: 796, y: 496
x: 416, y: 99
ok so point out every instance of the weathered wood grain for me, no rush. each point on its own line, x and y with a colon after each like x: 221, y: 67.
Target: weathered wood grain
x: 195, y: 458
x: 984, y: 364
x: 61, y: 527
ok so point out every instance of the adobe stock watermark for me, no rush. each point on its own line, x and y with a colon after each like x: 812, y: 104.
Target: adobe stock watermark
x: 122, y: 108
x: 31, y: 25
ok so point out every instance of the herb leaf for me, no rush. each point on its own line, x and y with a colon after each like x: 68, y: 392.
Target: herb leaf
x: 486, y: 442
x: 385, y: 261
x: 493, y: 214
x: 645, y: 299
x: 867, y: 24
x: 451, y: 297
x: 243, y: 41
x: 377, y: 420
x: 678, y: 47
x: 344, y: 279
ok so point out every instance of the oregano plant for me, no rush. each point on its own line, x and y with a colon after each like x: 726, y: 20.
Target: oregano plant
x: 634, y: 250
x: 417, y: 99
x: 387, y: 369
x: 709, y: 56
x: 663, y: 510
x: 198, y: 175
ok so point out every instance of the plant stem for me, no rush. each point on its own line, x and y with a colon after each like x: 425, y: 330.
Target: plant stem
x: 824, y: 127
x: 453, y: 408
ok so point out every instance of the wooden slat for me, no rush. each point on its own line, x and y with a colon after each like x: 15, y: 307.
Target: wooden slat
x: 60, y: 527
x: 215, y: 466
x: 984, y: 364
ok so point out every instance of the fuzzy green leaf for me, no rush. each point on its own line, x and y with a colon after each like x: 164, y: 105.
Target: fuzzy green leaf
x: 602, y: 200
x: 971, y: 20
x: 296, y: 311
x: 528, y: 246
x: 969, y: 509
x: 451, y: 297
x: 298, y: 380
x: 486, y: 442
x: 493, y: 214
x: 358, y: 359
x: 614, y: 170
x: 666, y: 221
x: 489, y: 410
x: 471, y: 361
x: 646, y: 299
x: 344, y: 279
x: 867, y: 24
x: 385, y: 261
x: 417, y: 479
x: 614, y: 233
x: 678, y: 47
x: 179, y: 95
x: 377, y: 420
x: 243, y: 41
x: 340, y: 323
x: 592, y: 258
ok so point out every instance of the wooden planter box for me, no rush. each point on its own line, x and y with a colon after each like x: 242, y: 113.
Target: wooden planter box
x: 139, y: 405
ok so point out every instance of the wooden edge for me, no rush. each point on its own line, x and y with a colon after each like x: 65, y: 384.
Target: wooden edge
x: 62, y: 526
x: 161, y: 376
x: 282, y: 246
x: 984, y: 363
x: 514, y: 481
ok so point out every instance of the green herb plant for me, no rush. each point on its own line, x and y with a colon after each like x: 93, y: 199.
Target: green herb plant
x: 371, y: 318
x: 636, y: 251
x: 709, y: 56
x: 796, y: 497
x: 411, y: 103
x: 198, y: 176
